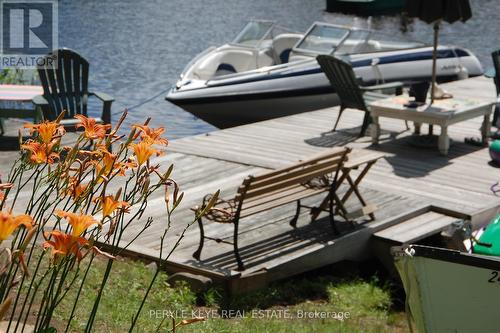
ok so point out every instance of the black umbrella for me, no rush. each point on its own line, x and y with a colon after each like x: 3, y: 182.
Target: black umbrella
x: 436, y: 11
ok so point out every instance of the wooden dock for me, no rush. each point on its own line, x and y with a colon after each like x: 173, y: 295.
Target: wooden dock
x: 407, y: 179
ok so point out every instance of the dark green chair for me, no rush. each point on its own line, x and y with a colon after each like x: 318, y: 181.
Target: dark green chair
x: 351, y: 94
x: 65, y: 88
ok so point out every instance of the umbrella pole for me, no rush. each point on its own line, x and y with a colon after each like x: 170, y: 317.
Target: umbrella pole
x: 434, y: 59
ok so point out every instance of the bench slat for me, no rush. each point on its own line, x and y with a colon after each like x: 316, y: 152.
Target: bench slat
x: 332, y: 163
x: 302, y: 178
x: 276, y: 195
x: 276, y: 203
x: 334, y: 152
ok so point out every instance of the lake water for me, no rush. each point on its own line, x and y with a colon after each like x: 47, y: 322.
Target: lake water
x: 137, y: 49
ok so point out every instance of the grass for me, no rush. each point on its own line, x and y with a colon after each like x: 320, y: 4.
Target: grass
x: 122, y: 296
x: 365, y: 305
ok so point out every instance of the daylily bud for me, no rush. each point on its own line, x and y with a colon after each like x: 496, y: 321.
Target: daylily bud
x: 28, y: 238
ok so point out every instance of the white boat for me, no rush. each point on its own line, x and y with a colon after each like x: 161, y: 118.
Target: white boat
x: 268, y: 72
x: 448, y: 291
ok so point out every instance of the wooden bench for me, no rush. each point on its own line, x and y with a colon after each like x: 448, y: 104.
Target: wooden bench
x: 276, y: 188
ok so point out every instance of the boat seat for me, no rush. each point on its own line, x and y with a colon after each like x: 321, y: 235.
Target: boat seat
x: 233, y: 64
x: 225, y: 61
x: 265, y: 58
x: 282, y: 46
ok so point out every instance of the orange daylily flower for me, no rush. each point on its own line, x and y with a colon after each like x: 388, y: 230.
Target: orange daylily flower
x: 92, y: 129
x: 79, y: 222
x: 143, y: 151
x: 64, y: 244
x: 108, y: 164
x: 84, y: 160
x: 75, y: 189
x: 9, y: 223
x: 152, y: 135
x: 109, y: 204
x: 40, y: 152
x: 47, y: 131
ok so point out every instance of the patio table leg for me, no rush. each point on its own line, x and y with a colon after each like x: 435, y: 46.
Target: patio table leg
x: 417, y: 127
x: 444, y: 141
x: 375, y: 129
x: 486, y: 128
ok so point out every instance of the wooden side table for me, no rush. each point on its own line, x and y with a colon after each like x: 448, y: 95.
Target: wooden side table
x: 442, y: 113
x: 15, y: 102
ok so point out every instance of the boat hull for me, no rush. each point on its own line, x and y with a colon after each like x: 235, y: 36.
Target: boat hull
x: 220, y: 112
x: 247, y: 106
x: 449, y: 291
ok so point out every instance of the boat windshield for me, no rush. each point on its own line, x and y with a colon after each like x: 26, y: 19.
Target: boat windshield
x: 322, y: 39
x: 380, y: 41
x: 327, y: 39
x: 253, y: 33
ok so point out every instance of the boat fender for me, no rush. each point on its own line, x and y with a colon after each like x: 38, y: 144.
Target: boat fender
x: 377, y: 71
x: 463, y: 73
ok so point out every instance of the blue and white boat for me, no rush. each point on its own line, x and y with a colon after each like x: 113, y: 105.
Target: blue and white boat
x: 268, y: 71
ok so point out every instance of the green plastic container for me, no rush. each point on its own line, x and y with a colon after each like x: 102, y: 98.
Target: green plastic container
x: 491, y: 235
